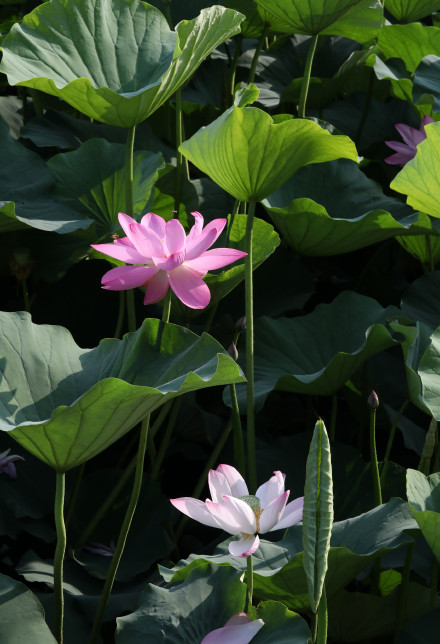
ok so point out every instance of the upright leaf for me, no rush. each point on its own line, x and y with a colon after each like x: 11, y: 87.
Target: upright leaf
x: 424, y: 499
x: 318, y: 513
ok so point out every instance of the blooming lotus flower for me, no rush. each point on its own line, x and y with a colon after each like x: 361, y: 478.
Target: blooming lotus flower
x: 234, y: 510
x: 163, y: 255
x: 7, y: 463
x: 237, y: 630
x: 412, y: 137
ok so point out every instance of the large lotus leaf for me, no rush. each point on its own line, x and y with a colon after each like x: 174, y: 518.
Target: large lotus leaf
x: 410, y: 42
x: 185, y: 613
x: 421, y: 298
x: 394, y: 70
x: 359, y: 20
x: 411, y: 10
x: 424, y: 498
x: 253, y: 26
x: 250, y: 156
x: 21, y: 615
x: 337, y: 209
x: 317, y: 353
x: 419, y: 178
x: 425, y: 81
x: 425, y: 248
x: 26, y: 187
x: 66, y: 404
x: 278, y: 567
x: 95, y: 175
x: 428, y: 371
x: 115, y: 60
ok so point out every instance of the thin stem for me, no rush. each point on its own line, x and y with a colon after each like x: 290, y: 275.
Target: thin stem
x: 209, y: 465
x: 306, y: 78
x: 131, y: 310
x: 140, y: 458
x: 250, y: 583
x: 121, y: 315
x: 374, y: 464
x: 385, y: 463
x: 59, y: 556
x: 129, y: 151
x: 179, y: 162
x: 74, y: 495
x: 322, y: 619
x: 237, y: 433
x: 334, y: 413
x: 233, y: 67
x: 166, y: 439
x: 401, y: 606
x: 166, y: 307
x: 251, y: 445
x: 24, y: 289
x: 256, y: 56
x: 230, y: 223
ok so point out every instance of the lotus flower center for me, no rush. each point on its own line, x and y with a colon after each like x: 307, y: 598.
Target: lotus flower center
x: 254, y: 503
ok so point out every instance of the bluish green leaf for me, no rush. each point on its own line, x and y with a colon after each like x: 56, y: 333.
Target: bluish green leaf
x: 424, y: 498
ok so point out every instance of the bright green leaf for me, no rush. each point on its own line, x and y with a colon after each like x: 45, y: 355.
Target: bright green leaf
x: 411, y: 10
x: 250, y: 156
x: 410, y: 42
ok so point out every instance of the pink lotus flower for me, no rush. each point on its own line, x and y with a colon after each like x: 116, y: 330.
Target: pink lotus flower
x: 236, y: 511
x: 237, y: 630
x: 7, y: 463
x: 163, y: 256
x: 412, y: 137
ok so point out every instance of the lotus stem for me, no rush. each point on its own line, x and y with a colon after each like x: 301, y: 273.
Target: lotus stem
x: 401, y: 607
x: 250, y: 583
x: 386, y: 463
x: 114, y: 564
x: 373, y: 453
x: 75, y: 492
x: 233, y: 68
x: 59, y: 556
x: 179, y: 162
x: 256, y: 56
x: 166, y: 439
x: 251, y: 445
x: 131, y: 314
x: 306, y: 78
x: 429, y: 253
x: 322, y: 619
x: 166, y: 307
x: 237, y: 432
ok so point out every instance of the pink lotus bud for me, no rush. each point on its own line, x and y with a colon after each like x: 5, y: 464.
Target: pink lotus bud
x: 373, y: 400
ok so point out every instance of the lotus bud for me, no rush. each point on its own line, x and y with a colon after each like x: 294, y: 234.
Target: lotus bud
x: 373, y: 400
x: 232, y: 350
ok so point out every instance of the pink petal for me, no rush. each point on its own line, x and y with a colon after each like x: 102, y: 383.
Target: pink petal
x: 196, y: 510
x: 175, y: 237
x: 241, y: 632
x: 401, y: 147
x: 410, y: 135
x: 196, y: 229
x: 198, y: 243
x: 214, y: 258
x: 273, y: 513
x: 218, y: 486
x: 123, y: 252
x: 156, y: 288
x: 146, y: 241
x: 189, y: 288
x: 245, y: 546
x: 235, y: 480
x: 126, y: 221
x: 398, y: 159
x: 293, y: 513
x: 271, y: 489
x: 239, y: 618
x: 171, y: 262
x: 234, y: 515
x: 122, y: 278
x: 154, y: 223
x: 426, y: 120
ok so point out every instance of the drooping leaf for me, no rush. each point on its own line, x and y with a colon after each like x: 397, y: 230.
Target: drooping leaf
x: 360, y: 20
x: 66, y: 404
x: 318, y: 513
x: 115, y: 61
x: 424, y: 498
x: 250, y: 156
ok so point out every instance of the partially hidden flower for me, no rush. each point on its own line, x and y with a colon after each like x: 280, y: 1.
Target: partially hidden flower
x: 412, y: 137
x: 100, y: 548
x: 7, y: 463
x: 239, y: 629
x: 234, y: 510
x: 163, y: 255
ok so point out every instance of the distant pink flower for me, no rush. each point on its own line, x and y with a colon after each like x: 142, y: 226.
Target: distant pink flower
x: 100, y: 549
x: 237, y: 630
x: 163, y: 255
x: 412, y: 137
x: 7, y: 463
x: 236, y: 511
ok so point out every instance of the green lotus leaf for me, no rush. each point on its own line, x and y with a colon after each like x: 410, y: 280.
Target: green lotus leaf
x: 350, y: 329
x: 359, y: 20
x: 278, y: 567
x: 252, y: 26
x: 250, y: 156
x: 337, y: 209
x: 95, y: 175
x: 115, y: 60
x: 27, y: 192
x: 66, y: 404
x: 410, y: 42
x: 21, y: 615
x: 411, y: 10
x: 428, y: 371
x: 425, y: 248
x: 419, y: 179
x: 281, y: 626
x: 420, y: 300
x: 424, y: 498
x: 187, y: 612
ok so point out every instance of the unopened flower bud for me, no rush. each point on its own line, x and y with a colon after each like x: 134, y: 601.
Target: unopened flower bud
x: 21, y: 263
x: 232, y: 350
x: 373, y: 400
x: 240, y: 325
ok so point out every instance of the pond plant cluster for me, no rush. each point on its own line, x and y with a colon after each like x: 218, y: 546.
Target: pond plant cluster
x: 237, y: 207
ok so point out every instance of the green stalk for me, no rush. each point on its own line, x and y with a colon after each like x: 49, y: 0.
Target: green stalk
x: 202, y: 480
x: 59, y: 556
x: 306, y: 78
x: 166, y: 439
x: 386, y: 461
x: 75, y: 492
x: 251, y: 445
x: 322, y: 619
x: 237, y: 433
x: 129, y: 153
x: 250, y: 583
x: 374, y: 464
x: 179, y: 162
x: 166, y: 307
x: 121, y: 313
x: 256, y: 56
x: 401, y: 607
x: 233, y: 68
x: 140, y: 458
x: 24, y: 288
